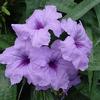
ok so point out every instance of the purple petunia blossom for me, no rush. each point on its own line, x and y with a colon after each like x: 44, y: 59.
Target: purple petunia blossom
x: 79, y: 35
x: 18, y: 62
x: 37, y: 26
x: 52, y: 70
x: 76, y: 47
x: 71, y: 53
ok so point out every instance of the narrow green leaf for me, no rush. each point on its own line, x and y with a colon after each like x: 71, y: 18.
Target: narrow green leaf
x: 72, y: 9
x: 95, y: 92
x: 5, y: 3
x: 97, y: 10
x: 7, y: 92
x: 4, y: 10
x: 83, y: 87
x: 90, y: 79
x: 82, y: 8
x: 95, y: 63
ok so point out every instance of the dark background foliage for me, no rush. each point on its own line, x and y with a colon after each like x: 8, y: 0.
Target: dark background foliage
x: 88, y: 11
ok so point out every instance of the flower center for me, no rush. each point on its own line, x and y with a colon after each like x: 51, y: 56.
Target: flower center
x: 78, y: 44
x: 52, y: 64
x: 39, y: 25
x: 25, y: 60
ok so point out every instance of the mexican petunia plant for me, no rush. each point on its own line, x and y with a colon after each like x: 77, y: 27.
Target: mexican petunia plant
x: 47, y: 64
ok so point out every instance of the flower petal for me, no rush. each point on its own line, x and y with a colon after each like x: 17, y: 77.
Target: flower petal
x: 40, y: 38
x: 69, y: 26
x: 67, y: 47
x: 55, y: 26
x: 22, y: 30
x: 51, y: 12
x: 37, y: 16
x: 8, y: 53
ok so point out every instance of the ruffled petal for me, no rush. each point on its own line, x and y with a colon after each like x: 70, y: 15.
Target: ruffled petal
x: 40, y: 38
x: 22, y: 30
x: 55, y: 26
x: 81, y: 62
x: 8, y: 53
x: 50, y: 11
x: 71, y: 53
x: 16, y: 72
x: 23, y: 44
x: 77, y: 31
x: 40, y: 55
x: 41, y: 78
x: 82, y: 37
x: 67, y: 48
x: 60, y: 81
x: 69, y: 26
x: 38, y: 16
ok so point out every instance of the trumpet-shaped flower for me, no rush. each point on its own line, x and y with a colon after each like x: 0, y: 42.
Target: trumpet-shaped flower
x: 77, y: 46
x: 79, y: 35
x: 52, y: 70
x: 18, y: 62
x: 37, y: 26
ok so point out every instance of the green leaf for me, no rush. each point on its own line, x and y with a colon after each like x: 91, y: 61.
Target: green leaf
x: 91, y: 23
x: 95, y: 63
x: 89, y: 19
x: 83, y: 87
x: 31, y: 5
x: 82, y: 8
x: 90, y: 80
x: 97, y: 10
x: 4, y: 10
x: 95, y: 92
x: 7, y: 92
x: 5, y: 3
x: 75, y: 94
x: 6, y: 40
x: 3, y: 44
x: 72, y: 9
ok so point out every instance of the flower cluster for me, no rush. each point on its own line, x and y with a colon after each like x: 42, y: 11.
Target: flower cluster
x: 43, y: 62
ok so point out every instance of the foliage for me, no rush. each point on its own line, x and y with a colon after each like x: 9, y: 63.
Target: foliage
x: 7, y: 92
x: 88, y: 11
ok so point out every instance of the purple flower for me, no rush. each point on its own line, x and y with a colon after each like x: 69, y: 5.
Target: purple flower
x: 55, y: 66
x: 71, y: 53
x: 18, y: 62
x: 52, y: 71
x: 76, y: 47
x: 37, y: 26
x: 77, y: 32
x: 44, y: 67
